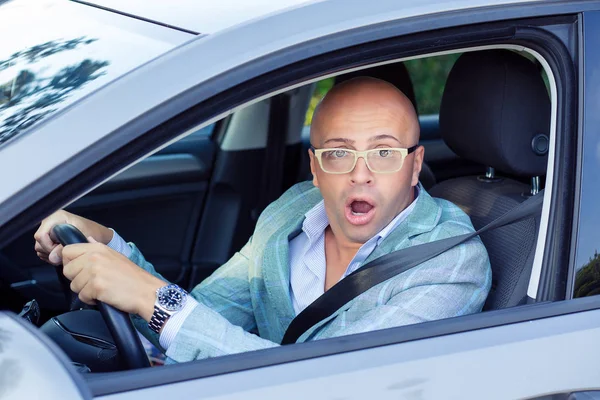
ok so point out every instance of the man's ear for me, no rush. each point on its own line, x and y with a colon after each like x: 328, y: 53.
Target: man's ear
x: 417, y: 164
x: 313, y: 167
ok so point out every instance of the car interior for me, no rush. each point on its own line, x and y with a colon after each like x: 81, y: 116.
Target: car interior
x: 194, y: 203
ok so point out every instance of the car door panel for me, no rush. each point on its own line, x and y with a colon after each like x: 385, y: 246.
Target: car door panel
x: 427, y: 361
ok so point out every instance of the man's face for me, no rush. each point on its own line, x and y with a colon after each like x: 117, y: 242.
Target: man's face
x: 361, y: 203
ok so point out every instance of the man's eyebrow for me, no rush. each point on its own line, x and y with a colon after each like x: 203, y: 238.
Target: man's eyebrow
x: 341, y: 140
x: 381, y: 137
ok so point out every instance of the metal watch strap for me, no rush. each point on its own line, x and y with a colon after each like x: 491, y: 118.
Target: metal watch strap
x: 159, y: 317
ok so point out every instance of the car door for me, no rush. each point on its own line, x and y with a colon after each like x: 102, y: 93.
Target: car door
x: 483, y: 362
x: 445, y: 358
x: 542, y: 351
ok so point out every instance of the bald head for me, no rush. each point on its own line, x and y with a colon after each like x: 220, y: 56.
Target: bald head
x: 365, y: 103
x: 364, y: 114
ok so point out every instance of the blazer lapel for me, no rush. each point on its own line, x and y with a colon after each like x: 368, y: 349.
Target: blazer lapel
x: 276, y: 270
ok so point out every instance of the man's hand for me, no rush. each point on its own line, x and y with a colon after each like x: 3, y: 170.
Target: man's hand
x: 100, y: 273
x: 51, y: 252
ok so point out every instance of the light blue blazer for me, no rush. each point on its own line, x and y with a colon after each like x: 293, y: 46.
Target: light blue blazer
x: 246, y: 305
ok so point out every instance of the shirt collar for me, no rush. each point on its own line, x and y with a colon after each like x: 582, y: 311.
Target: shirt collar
x: 316, y: 220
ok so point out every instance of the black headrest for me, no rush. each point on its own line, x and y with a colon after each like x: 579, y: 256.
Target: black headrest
x: 396, y: 74
x: 496, y: 111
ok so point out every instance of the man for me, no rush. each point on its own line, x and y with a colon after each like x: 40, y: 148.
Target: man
x: 364, y: 201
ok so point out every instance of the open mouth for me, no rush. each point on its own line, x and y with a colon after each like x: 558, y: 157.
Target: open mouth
x: 360, y: 211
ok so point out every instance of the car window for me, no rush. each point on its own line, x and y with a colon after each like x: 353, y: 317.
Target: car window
x: 54, y: 53
x: 586, y: 279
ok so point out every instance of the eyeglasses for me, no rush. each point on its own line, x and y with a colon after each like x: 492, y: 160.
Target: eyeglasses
x: 381, y: 160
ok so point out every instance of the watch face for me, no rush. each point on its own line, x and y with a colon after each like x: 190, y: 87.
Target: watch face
x: 171, y: 297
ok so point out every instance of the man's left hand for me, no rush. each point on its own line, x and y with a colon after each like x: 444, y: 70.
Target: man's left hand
x: 97, y: 272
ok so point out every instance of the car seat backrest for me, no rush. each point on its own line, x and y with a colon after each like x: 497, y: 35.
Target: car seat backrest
x: 496, y: 111
x: 494, y: 108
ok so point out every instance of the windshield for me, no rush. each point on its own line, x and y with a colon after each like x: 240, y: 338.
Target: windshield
x: 55, y: 52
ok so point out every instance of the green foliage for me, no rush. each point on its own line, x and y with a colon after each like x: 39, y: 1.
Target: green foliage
x: 587, y: 281
x: 320, y: 91
x: 429, y: 76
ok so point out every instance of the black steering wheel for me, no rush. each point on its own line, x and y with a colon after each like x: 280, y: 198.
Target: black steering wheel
x: 120, y: 326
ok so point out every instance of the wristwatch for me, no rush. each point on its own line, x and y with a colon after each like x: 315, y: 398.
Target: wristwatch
x: 169, y: 300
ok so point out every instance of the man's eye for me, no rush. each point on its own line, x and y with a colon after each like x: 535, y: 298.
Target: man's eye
x: 336, y: 153
x: 384, y: 153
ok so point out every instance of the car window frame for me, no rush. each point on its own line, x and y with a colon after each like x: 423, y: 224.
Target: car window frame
x: 261, y: 358
x: 152, y: 139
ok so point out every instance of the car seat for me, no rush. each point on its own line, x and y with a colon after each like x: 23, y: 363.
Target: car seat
x: 496, y: 111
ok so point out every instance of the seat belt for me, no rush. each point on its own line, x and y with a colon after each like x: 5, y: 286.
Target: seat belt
x: 392, y: 264
x: 272, y: 176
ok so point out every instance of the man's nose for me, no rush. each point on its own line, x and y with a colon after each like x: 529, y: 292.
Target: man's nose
x: 361, y: 174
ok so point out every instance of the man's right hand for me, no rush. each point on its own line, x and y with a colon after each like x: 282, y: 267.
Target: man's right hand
x: 51, y: 252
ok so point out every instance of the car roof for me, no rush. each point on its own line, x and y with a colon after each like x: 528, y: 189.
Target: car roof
x: 196, y: 15
x: 212, y: 16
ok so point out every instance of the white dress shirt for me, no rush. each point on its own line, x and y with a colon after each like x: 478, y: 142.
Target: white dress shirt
x: 307, y: 263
